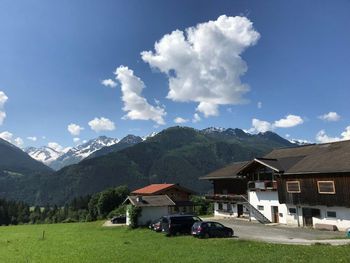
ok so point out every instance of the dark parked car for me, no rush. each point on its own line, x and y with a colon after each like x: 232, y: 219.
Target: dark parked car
x: 121, y: 219
x: 178, y: 224
x: 211, y: 229
x: 156, y: 225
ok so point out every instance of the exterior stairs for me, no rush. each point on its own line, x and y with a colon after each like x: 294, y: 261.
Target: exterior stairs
x: 255, y: 212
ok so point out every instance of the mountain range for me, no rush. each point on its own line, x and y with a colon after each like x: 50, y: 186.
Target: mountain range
x: 59, y: 159
x: 177, y: 155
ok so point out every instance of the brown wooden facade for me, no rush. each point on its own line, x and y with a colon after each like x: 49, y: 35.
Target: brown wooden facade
x: 309, y: 190
x: 230, y: 186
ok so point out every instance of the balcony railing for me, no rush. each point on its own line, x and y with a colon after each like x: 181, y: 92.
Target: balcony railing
x: 262, y: 185
x: 226, y: 197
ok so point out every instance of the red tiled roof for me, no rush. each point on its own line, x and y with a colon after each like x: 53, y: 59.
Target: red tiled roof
x: 152, y: 188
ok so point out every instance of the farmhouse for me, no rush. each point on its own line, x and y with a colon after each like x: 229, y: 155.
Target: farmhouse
x: 301, y: 186
x: 158, y: 200
x: 178, y: 194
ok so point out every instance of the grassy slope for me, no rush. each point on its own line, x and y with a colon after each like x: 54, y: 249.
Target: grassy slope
x: 88, y: 242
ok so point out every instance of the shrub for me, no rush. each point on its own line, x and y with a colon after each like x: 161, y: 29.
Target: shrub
x: 134, y: 214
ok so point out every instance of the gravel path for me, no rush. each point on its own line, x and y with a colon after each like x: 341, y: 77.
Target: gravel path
x: 281, y: 234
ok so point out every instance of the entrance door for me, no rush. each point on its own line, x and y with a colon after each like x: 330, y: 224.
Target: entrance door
x: 274, y: 210
x: 307, y: 217
x: 239, y: 210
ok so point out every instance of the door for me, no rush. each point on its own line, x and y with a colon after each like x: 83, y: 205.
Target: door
x: 307, y: 217
x: 274, y: 210
x: 239, y: 210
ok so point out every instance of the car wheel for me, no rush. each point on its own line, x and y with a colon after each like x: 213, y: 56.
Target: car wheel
x: 206, y: 235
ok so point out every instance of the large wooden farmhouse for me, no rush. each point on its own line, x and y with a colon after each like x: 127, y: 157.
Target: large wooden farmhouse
x: 301, y: 186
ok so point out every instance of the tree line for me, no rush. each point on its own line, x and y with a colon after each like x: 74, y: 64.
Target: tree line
x: 102, y: 205
x: 105, y: 204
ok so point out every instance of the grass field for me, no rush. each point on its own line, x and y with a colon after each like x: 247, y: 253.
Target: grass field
x: 89, y: 242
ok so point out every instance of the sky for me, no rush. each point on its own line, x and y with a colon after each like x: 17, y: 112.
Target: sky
x: 74, y: 70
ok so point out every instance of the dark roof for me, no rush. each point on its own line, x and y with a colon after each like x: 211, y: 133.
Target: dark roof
x: 150, y: 200
x: 316, y: 158
x: 226, y: 172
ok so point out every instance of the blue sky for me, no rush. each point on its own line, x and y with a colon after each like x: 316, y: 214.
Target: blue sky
x: 55, y: 54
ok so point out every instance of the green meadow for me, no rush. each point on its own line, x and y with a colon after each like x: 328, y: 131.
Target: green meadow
x: 89, y: 242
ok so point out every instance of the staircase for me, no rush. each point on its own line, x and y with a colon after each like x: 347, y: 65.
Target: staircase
x: 255, y: 212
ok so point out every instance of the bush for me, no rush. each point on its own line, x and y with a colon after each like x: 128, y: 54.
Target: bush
x: 134, y: 214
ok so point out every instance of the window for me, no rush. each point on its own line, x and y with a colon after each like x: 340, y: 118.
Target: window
x: 220, y: 206
x: 293, y: 186
x: 261, y: 207
x: 326, y: 187
x: 292, y: 210
x: 331, y: 214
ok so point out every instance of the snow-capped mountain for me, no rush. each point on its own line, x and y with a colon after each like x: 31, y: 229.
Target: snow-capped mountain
x: 126, y: 142
x: 56, y: 160
x: 43, y: 154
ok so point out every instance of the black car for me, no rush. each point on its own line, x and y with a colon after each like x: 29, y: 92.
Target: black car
x: 211, y: 229
x: 178, y: 224
x: 120, y: 219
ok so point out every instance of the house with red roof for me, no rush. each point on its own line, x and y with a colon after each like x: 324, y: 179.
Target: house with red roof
x: 178, y: 194
x: 158, y: 200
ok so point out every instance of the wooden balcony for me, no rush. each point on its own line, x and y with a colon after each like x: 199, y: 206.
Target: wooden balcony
x: 226, y: 197
x: 262, y: 185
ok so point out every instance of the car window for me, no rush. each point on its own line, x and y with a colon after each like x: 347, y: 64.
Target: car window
x: 218, y: 225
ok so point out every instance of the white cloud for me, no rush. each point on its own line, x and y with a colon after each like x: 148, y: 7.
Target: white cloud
x: 2, y: 117
x: 135, y: 105
x: 289, y: 121
x: 32, y: 138
x: 76, y: 139
x: 74, y: 129
x: 8, y: 136
x: 322, y: 137
x: 259, y: 105
x: 19, y: 142
x: 54, y: 145
x: 287, y: 135
x: 330, y: 116
x: 204, y: 63
x: 180, y: 120
x: 346, y: 134
x: 196, y: 118
x: 101, y: 124
x: 260, y: 126
x: 109, y: 83
x: 3, y: 99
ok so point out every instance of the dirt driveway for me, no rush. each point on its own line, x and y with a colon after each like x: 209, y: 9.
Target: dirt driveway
x: 281, y: 234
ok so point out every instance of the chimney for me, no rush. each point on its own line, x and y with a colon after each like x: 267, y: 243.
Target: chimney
x: 139, y: 198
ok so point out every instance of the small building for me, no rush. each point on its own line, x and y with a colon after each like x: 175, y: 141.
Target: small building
x: 178, y: 194
x: 152, y: 207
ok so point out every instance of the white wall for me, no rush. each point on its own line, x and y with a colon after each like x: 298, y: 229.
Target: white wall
x: 270, y: 198
x: 267, y: 199
x: 342, y: 220
x: 149, y: 214
x: 232, y: 213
